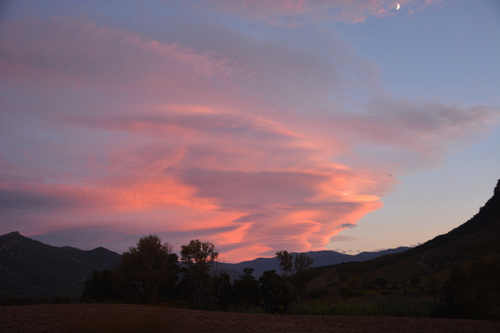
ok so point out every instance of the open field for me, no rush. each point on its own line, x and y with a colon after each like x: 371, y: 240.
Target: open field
x: 137, y: 318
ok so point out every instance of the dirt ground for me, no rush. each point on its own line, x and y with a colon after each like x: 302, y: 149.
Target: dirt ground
x: 136, y: 318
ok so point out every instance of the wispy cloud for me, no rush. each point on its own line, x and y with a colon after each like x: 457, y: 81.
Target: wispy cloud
x: 116, y: 133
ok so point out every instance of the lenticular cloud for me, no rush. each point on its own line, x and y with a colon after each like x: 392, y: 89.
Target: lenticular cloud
x: 115, y: 132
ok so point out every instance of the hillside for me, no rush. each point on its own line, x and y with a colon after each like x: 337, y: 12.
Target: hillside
x: 29, y: 268
x: 475, y: 240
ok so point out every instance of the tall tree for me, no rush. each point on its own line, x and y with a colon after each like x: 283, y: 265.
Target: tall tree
x: 147, y: 267
x: 286, y: 262
x: 199, y: 259
x: 295, y: 268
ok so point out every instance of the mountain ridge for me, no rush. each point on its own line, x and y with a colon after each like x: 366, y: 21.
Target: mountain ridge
x: 321, y: 258
x: 29, y: 268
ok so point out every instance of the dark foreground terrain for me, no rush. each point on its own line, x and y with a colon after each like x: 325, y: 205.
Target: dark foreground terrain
x: 137, y: 318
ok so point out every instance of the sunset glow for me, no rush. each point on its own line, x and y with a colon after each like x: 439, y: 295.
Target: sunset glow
x: 254, y: 125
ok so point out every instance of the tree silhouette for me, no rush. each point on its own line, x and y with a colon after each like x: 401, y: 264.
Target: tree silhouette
x: 199, y: 259
x: 146, y: 268
x: 274, y: 292
x: 101, y: 287
x: 246, y: 289
x: 223, y: 291
x: 295, y: 269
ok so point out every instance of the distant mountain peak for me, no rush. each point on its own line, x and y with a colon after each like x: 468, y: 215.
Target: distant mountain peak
x: 12, y: 235
x: 497, y: 189
x: 9, y: 240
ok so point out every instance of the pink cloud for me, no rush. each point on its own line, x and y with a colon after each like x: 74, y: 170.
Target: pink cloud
x: 124, y: 134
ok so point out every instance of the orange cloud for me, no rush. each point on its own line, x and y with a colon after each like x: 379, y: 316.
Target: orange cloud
x: 113, y: 134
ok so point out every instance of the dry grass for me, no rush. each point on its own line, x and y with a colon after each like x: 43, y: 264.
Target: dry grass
x: 111, y: 318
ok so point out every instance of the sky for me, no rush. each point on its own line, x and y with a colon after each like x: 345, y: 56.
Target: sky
x: 257, y: 125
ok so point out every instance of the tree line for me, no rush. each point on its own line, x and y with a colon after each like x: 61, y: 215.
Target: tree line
x: 151, y: 272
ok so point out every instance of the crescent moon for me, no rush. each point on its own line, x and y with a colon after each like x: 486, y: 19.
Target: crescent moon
x: 398, y: 6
